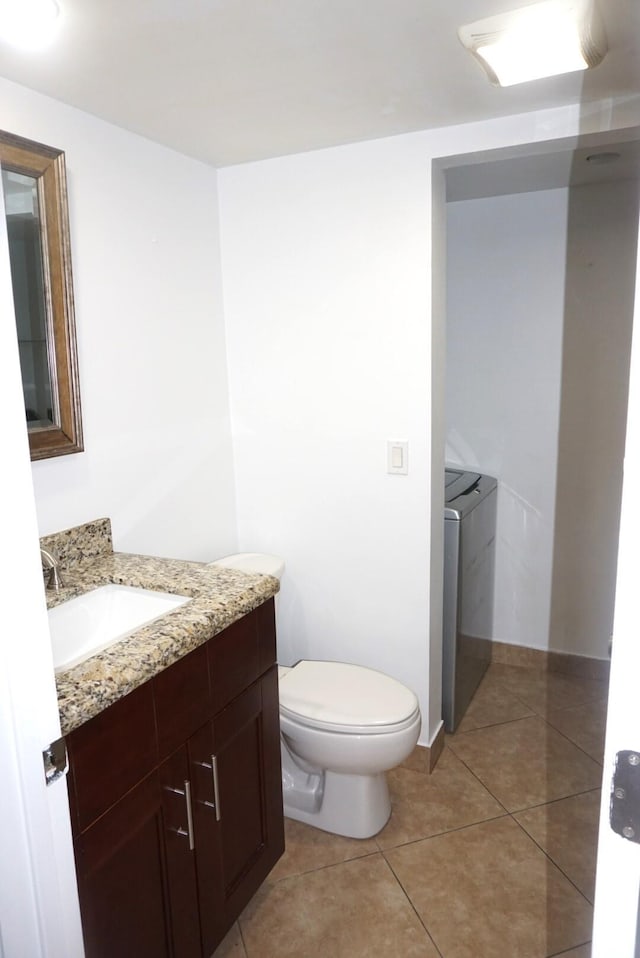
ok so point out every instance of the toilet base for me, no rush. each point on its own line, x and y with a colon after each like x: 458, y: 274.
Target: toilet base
x: 356, y: 806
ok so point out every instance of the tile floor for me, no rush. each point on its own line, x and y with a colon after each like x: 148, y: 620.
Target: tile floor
x: 491, y: 856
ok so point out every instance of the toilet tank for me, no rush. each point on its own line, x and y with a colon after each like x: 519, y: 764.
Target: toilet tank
x: 261, y: 562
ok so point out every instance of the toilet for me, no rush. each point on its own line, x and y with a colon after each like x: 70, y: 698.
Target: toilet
x: 342, y: 727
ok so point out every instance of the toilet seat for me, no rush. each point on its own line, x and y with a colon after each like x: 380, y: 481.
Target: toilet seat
x: 339, y: 697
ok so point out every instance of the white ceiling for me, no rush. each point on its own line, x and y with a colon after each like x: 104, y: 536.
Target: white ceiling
x: 229, y: 81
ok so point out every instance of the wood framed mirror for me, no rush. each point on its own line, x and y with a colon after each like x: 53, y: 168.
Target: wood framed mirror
x: 35, y: 197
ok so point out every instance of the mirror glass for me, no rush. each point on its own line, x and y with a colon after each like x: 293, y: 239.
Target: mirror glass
x: 34, y: 188
x: 25, y: 251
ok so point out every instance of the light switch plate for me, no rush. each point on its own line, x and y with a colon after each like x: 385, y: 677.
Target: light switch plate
x: 397, y: 457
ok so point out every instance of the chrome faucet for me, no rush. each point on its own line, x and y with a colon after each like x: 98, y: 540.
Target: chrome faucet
x: 54, y: 580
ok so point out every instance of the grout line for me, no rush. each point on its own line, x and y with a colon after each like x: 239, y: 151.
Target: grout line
x: 320, y: 868
x: 559, y: 954
x: 554, y: 863
x: 413, y: 907
x: 553, y: 801
x: 575, y: 744
x: 244, y: 944
x: 478, y: 779
x: 480, y: 728
x: 483, y: 728
x: 447, y: 831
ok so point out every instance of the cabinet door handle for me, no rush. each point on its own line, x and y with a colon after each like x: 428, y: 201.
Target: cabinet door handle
x: 216, y: 788
x: 186, y: 791
x: 187, y: 798
x: 213, y: 768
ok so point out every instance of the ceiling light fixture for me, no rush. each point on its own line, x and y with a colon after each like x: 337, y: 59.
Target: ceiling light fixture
x: 541, y: 40
x: 29, y: 24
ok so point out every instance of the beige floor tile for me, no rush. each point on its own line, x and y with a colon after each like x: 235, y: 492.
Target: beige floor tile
x: 568, y: 832
x: 526, y: 763
x: 308, y: 848
x: 546, y: 691
x: 231, y: 945
x: 353, y: 910
x: 488, y: 891
x: 584, y: 725
x: 522, y: 656
x: 424, y: 805
x: 492, y: 704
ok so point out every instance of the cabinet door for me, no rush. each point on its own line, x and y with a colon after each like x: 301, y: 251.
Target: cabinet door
x: 247, y: 745
x: 136, y: 872
x: 121, y: 878
x: 179, y: 846
x: 208, y: 839
x: 235, y: 767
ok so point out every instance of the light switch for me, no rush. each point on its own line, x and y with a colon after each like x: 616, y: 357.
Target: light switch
x: 397, y: 457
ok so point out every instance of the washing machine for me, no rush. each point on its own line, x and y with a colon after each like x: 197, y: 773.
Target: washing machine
x: 469, y: 563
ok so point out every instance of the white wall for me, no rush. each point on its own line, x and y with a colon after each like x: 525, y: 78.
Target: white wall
x: 599, y: 302
x: 152, y: 354
x: 332, y: 325
x: 505, y: 303
x: 540, y: 296
x: 325, y: 262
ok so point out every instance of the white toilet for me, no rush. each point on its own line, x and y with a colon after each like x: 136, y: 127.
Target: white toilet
x: 342, y: 727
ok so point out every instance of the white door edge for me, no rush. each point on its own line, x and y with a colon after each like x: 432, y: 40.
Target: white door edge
x: 39, y: 914
x: 618, y: 863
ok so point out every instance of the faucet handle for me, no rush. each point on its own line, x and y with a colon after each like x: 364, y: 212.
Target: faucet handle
x: 54, y: 580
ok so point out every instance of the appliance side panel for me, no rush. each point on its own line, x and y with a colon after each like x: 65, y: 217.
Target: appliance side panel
x: 450, y: 617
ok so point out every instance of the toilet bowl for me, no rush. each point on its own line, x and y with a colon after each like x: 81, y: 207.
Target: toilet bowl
x: 342, y: 727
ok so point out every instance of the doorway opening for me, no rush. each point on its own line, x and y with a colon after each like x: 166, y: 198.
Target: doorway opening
x: 541, y: 255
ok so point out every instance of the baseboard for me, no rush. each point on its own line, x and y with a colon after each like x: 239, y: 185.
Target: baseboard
x: 581, y: 666
x: 436, y: 748
x: 424, y: 758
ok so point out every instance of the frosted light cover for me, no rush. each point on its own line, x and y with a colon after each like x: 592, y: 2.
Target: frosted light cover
x: 542, y: 40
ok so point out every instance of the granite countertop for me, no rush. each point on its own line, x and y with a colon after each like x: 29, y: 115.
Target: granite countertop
x: 219, y: 597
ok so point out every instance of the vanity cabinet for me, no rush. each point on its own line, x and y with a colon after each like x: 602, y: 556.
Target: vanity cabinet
x: 176, y: 799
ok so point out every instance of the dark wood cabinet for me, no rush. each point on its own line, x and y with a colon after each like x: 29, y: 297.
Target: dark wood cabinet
x: 180, y: 847
x: 235, y: 762
x: 176, y: 799
x: 122, y: 878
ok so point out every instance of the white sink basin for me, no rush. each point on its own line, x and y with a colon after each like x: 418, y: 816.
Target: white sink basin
x: 92, y: 622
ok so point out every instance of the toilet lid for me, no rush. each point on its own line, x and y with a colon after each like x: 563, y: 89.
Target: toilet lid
x: 345, y: 697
